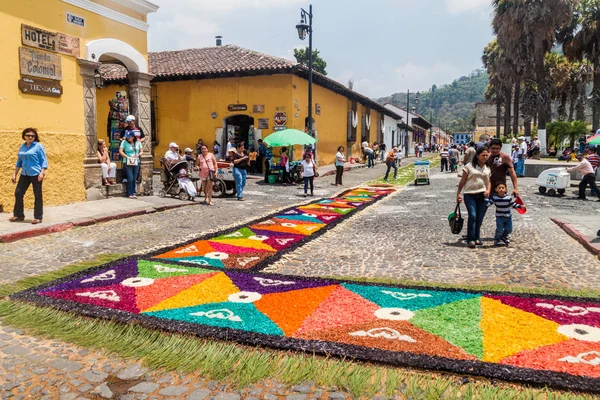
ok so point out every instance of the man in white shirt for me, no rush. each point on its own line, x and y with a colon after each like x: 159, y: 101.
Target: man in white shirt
x: 589, y: 177
x: 521, y: 156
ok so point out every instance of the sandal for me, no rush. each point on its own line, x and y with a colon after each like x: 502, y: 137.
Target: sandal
x: 241, y: 199
x: 16, y: 219
x: 36, y: 221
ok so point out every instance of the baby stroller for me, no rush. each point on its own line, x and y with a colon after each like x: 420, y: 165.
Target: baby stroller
x: 168, y: 177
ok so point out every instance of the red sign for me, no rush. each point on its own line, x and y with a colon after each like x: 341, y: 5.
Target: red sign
x: 280, y: 118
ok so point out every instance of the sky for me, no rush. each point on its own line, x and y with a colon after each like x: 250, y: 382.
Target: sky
x: 385, y: 46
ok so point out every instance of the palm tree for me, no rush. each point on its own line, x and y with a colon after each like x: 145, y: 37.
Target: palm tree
x: 534, y: 22
x: 585, y: 43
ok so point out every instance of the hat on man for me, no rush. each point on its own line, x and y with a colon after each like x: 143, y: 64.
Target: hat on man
x: 232, y: 149
x: 188, y: 150
x: 522, y: 138
x: 173, y: 144
x: 130, y: 118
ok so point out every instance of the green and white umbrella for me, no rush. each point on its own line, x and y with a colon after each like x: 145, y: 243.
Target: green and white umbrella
x: 289, y: 137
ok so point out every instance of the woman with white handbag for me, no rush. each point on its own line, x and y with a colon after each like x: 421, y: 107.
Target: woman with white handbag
x: 131, y: 151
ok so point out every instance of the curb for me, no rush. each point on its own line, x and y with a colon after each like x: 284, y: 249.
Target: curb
x: 575, y: 234
x: 63, y: 226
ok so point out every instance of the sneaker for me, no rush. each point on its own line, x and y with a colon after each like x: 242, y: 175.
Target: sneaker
x: 506, y: 241
x: 305, y: 195
x: 479, y: 243
x: 472, y: 245
x: 498, y: 243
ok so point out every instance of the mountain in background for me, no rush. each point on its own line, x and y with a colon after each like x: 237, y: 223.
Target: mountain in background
x: 452, y: 106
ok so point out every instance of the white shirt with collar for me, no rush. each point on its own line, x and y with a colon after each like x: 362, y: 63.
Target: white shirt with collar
x: 172, y: 155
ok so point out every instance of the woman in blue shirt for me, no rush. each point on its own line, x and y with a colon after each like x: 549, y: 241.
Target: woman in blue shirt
x: 33, y: 163
x: 131, y: 151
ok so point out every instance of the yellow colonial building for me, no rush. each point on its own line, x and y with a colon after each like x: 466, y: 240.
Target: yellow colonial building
x: 52, y: 51
x: 221, y: 92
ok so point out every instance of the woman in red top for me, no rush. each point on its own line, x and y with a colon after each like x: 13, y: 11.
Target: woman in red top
x: 207, y: 163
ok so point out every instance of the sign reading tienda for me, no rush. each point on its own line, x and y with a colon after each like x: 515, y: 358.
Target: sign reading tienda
x: 40, y: 64
x: 40, y: 87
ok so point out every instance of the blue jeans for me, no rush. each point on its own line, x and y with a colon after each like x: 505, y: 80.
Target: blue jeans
x: 391, y: 165
x: 521, y: 167
x: 381, y: 155
x: 239, y: 175
x: 503, y: 228
x: 131, y: 173
x: 476, y: 208
x: 309, y: 180
x: 371, y: 162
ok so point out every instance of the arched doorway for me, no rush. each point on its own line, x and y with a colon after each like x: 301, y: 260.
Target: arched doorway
x: 112, y: 51
x: 239, y: 127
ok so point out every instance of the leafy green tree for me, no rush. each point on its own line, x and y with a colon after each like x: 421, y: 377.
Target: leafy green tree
x: 319, y: 64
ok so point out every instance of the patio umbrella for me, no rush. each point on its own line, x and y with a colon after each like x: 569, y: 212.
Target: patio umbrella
x: 595, y: 140
x: 596, y: 136
x: 288, y: 137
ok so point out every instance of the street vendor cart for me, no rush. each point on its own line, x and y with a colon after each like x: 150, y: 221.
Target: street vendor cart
x: 288, y: 138
x: 422, y: 169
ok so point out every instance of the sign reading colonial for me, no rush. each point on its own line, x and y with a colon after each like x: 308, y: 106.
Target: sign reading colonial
x: 280, y: 119
x: 68, y: 44
x: 258, y: 109
x: 237, y: 107
x: 40, y: 64
x: 38, y: 38
x: 40, y: 87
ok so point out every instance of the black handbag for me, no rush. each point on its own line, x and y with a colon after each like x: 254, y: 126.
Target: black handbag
x: 456, y: 220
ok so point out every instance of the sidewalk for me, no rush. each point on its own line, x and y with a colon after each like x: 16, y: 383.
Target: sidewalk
x: 61, y: 218
x: 583, y: 229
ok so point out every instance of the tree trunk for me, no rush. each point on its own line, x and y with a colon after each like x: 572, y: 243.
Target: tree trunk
x: 540, y: 76
x: 517, y: 103
x: 498, y: 114
x: 527, y: 123
x: 507, y: 111
x: 596, y: 97
x: 573, y: 99
x: 580, y: 108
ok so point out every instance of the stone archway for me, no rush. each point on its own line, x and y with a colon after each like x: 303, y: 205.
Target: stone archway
x: 139, y: 97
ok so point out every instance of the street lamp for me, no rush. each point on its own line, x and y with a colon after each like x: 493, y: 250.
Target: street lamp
x: 304, y: 29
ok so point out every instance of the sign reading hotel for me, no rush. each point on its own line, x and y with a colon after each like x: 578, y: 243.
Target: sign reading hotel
x: 67, y: 44
x: 38, y: 38
x: 40, y: 87
x: 40, y: 64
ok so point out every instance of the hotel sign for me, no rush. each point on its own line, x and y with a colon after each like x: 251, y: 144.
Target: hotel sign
x: 38, y: 38
x: 40, y: 64
x: 40, y: 86
x: 68, y: 44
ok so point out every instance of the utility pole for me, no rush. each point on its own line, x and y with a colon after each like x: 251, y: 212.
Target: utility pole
x: 407, y: 123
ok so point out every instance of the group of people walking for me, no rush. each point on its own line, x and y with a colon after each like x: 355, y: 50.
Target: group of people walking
x: 482, y: 184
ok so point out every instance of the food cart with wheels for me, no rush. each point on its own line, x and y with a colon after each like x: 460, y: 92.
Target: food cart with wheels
x: 288, y: 138
x: 422, y: 169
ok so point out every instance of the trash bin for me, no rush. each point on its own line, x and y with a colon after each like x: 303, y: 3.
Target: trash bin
x: 272, y: 179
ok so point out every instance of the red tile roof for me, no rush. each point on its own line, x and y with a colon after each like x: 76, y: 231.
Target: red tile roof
x: 227, y: 61
x: 202, y: 62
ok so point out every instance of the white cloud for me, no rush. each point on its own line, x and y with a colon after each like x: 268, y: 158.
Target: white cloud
x: 462, y: 6
x: 182, y: 24
x: 422, y: 77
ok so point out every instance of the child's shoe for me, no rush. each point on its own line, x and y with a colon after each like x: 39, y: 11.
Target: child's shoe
x: 498, y: 243
x: 506, y: 241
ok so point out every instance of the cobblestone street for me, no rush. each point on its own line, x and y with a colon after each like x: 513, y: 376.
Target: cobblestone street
x: 405, y: 236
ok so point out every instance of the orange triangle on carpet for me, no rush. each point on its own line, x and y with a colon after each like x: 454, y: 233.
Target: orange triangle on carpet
x: 289, y: 309
x: 161, y: 289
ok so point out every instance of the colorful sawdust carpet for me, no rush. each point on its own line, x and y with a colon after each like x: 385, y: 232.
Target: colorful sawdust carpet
x: 205, y: 288
x: 259, y: 243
